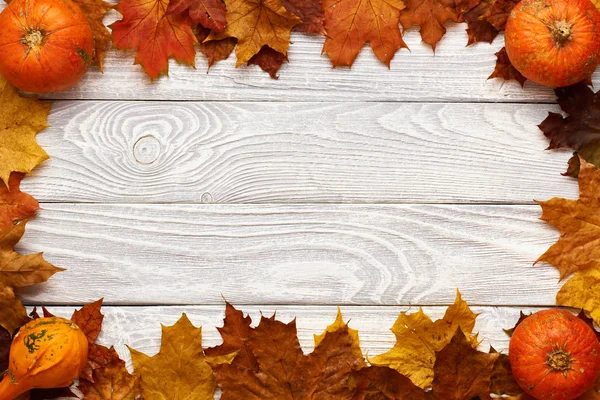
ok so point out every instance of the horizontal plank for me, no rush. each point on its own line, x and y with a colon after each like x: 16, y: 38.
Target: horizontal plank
x: 139, y: 327
x: 300, y: 254
x: 454, y: 73
x: 155, y: 152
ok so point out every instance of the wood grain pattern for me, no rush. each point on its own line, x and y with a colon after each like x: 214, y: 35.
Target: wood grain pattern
x: 162, y: 152
x: 139, y: 327
x: 454, y: 73
x: 300, y: 254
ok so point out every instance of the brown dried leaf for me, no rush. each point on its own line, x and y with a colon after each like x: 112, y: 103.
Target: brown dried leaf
x: 383, y: 383
x: 15, y: 205
x: 505, y: 70
x: 112, y: 382
x: 89, y: 320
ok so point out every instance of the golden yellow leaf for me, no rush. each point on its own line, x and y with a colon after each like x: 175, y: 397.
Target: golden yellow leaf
x: 582, y: 291
x: 20, y: 120
x: 180, y: 370
x: 578, y: 247
x: 17, y: 271
x: 418, y: 338
x: 257, y: 23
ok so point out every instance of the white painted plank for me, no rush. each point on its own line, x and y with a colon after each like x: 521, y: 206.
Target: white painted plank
x: 301, y: 254
x: 453, y: 73
x: 139, y: 327
x: 147, y: 152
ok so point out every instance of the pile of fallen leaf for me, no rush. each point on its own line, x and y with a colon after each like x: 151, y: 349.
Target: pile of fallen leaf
x: 259, y: 30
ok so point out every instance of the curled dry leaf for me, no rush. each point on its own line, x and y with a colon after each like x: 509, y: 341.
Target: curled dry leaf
x: 505, y: 70
x: 154, y: 35
x: 17, y: 271
x: 257, y: 23
x: 418, y: 338
x: 20, y: 120
x: 460, y: 371
x: 580, y: 130
x: 352, y: 23
x: 184, y: 367
x: 15, y: 205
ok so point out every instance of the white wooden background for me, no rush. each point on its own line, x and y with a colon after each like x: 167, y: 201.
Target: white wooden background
x: 378, y: 190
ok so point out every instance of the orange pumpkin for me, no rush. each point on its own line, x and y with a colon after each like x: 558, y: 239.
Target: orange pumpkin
x: 554, y: 355
x: 46, y: 353
x: 45, y: 45
x: 554, y: 42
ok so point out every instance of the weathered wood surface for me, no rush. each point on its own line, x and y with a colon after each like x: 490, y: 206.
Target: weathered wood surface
x: 297, y: 254
x: 454, y: 73
x: 156, y: 152
x: 139, y: 327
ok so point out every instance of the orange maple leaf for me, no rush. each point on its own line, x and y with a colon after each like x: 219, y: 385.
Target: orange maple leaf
x: 352, y: 23
x: 154, y: 35
x: 208, y: 13
x: 14, y: 204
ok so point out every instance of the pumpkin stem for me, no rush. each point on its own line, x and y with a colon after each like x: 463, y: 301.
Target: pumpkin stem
x: 561, y: 32
x: 33, y: 38
x: 559, y: 360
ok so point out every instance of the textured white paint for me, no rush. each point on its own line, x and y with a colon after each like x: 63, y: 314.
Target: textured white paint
x: 148, y: 152
x: 297, y: 254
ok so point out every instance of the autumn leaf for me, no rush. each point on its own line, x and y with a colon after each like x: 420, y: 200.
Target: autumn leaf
x: 580, y: 130
x: 112, y: 382
x: 17, y: 271
x: 432, y: 15
x: 208, y: 13
x: 257, y: 23
x: 352, y: 23
x: 310, y: 12
x: 579, y: 224
x: 180, y: 362
x: 487, y: 19
x: 5, y: 342
x: 155, y: 36
x: 20, y: 120
x: 385, y: 384
x: 582, y: 291
x: 522, y: 317
x: 268, y: 60
x: 98, y: 357
x: 94, y: 11
x: 502, y: 381
x: 505, y: 70
x: 270, y: 364
x: 460, y: 371
x: 14, y: 204
x: 589, y: 321
x: 418, y: 338
x: 89, y: 320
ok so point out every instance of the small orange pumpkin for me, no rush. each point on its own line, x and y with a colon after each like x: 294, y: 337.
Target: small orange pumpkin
x: 554, y: 355
x: 45, y: 45
x: 554, y: 42
x: 46, y: 353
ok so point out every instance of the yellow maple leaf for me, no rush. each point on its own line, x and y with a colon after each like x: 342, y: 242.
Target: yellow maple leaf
x: 578, y: 221
x: 17, y: 271
x: 180, y: 370
x: 257, y: 23
x: 418, y: 338
x: 20, y: 120
x: 336, y: 326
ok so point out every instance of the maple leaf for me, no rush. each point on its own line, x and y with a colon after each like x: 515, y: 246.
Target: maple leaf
x: 418, y: 338
x: 460, y: 371
x: 89, y: 320
x: 155, y: 36
x: 579, y: 223
x: 580, y: 130
x: 310, y: 12
x: 502, y: 381
x: 269, y: 363
x: 112, y: 382
x: 352, y: 23
x: 384, y: 383
x: 582, y: 291
x: 487, y: 19
x: 94, y: 11
x: 208, y: 13
x: 98, y: 357
x: 432, y: 15
x: 522, y: 317
x: 17, y: 271
x: 268, y: 60
x: 257, y: 23
x: 589, y: 321
x: 20, y: 120
x: 14, y: 204
x: 180, y: 363
x: 505, y: 70
x: 214, y: 49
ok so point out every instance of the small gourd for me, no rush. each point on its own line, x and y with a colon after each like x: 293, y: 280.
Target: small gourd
x: 46, y: 353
